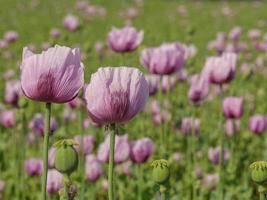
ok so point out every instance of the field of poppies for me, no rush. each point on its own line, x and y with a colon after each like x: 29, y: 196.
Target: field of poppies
x: 133, y: 100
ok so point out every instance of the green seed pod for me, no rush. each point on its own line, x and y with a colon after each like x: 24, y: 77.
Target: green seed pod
x: 259, y: 171
x: 161, y: 171
x: 66, y: 160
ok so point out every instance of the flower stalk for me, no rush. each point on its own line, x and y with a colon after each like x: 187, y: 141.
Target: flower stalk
x: 113, y: 132
x: 82, y: 156
x: 262, y: 191
x: 21, y: 142
x: 221, y: 163
x: 45, y: 148
x: 163, y: 192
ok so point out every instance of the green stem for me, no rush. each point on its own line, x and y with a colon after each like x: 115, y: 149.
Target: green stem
x: 16, y: 162
x: 162, y: 139
x: 123, y: 59
x: 193, y: 153
x: 163, y: 127
x: 92, y: 192
x: 113, y: 131
x: 66, y: 191
x: 233, y: 152
x: 69, y: 185
x: 189, y: 167
x: 262, y: 192
x: 66, y: 128
x: 140, y: 181
x: 82, y: 163
x: 45, y: 148
x: 221, y: 164
x: 21, y: 153
x: 121, y: 189
x: 163, y: 196
x: 262, y: 196
x: 163, y: 192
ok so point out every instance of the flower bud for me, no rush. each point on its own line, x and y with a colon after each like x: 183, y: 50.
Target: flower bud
x: 66, y: 160
x: 259, y: 171
x: 161, y: 171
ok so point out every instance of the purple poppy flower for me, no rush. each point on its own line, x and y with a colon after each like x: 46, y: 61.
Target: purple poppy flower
x: 33, y: 167
x: 233, y: 107
x: 93, y: 168
x: 125, y: 40
x: 54, y: 181
x: 163, y: 60
x: 116, y: 95
x: 55, y: 75
x: 141, y: 150
x: 122, y: 149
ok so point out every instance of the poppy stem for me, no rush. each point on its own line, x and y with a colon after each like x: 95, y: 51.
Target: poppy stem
x: 140, y: 181
x: 221, y: 164
x: 113, y: 131
x: 123, y: 59
x: 163, y: 196
x: 21, y: 153
x: 262, y: 192
x: 45, y: 148
x: 194, y: 140
x: 163, y: 192
x: 81, y: 131
x: 262, y: 196
x: 189, y: 166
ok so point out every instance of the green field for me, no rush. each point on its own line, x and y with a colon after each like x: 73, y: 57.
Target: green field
x: 33, y: 20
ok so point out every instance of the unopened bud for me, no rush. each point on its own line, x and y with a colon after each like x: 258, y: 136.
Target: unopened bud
x: 66, y: 159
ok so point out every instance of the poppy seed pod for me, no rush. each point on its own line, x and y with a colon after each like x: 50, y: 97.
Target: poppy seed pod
x: 66, y: 160
x: 259, y: 171
x: 161, y: 171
